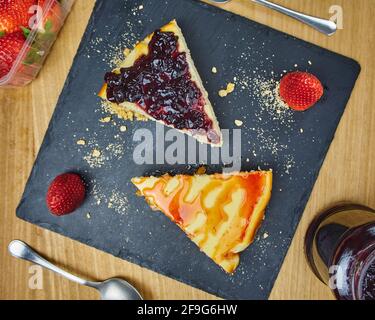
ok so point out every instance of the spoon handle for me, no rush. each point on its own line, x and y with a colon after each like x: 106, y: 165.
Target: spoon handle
x: 21, y: 250
x: 322, y: 25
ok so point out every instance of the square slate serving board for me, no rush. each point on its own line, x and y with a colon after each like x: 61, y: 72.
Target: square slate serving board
x: 293, y: 144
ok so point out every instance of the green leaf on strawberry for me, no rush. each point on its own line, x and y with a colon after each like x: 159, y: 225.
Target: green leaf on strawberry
x: 2, y: 33
x: 40, y: 46
x: 48, y: 25
x: 26, y: 32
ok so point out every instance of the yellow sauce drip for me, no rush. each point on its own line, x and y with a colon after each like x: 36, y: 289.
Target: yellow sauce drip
x: 184, y: 212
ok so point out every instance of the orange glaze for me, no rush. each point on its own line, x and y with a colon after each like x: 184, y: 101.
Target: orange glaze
x: 183, y: 212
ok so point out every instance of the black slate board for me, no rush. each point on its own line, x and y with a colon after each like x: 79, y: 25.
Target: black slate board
x: 238, y: 48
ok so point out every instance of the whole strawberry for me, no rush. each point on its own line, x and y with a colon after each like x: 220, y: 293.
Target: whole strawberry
x: 15, y: 14
x: 300, y: 90
x: 10, y: 46
x: 65, y: 194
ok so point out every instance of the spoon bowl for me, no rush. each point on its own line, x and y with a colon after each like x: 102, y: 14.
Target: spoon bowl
x: 118, y: 289
x: 111, y: 289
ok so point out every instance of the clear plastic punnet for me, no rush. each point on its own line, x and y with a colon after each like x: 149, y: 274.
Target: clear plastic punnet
x: 46, y: 20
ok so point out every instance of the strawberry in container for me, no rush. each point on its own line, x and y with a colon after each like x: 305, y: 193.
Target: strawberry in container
x: 13, y: 14
x: 28, y: 28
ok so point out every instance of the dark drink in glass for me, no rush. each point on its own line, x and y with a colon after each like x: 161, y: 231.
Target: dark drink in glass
x: 340, y: 249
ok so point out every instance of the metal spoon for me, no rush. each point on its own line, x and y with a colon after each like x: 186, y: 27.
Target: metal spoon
x: 322, y: 25
x: 112, y: 289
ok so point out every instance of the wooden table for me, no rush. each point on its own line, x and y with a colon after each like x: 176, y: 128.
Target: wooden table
x: 347, y: 174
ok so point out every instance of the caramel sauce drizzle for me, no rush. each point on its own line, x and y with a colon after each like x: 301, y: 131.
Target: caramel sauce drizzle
x: 183, y: 212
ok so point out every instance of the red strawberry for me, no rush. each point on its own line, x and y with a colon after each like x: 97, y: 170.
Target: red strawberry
x: 10, y: 46
x: 15, y: 14
x: 53, y: 18
x: 300, y: 90
x: 65, y: 194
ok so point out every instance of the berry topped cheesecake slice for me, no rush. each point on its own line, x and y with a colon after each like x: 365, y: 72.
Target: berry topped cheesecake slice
x: 220, y: 213
x: 158, y: 80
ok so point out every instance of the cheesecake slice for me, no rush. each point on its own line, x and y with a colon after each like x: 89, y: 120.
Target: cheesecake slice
x: 220, y: 213
x: 158, y: 79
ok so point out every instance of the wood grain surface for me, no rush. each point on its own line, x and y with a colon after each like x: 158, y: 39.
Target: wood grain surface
x: 347, y: 174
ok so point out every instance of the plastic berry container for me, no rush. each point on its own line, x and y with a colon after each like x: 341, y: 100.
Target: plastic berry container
x: 47, y: 19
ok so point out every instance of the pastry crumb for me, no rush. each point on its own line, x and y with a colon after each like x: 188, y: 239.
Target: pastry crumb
x: 126, y: 52
x: 223, y: 93
x: 140, y: 117
x: 88, y: 215
x: 309, y: 62
x: 105, y: 119
x: 122, y: 112
x: 301, y: 130
x: 94, y: 157
x: 123, y: 128
x: 81, y: 142
x: 238, y: 123
x: 96, y: 153
x: 230, y: 88
x: 265, y: 235
x: 140, y: 7
x: 214, y: 70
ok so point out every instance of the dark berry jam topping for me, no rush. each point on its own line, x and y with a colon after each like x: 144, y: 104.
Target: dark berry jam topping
x: 160, y: 83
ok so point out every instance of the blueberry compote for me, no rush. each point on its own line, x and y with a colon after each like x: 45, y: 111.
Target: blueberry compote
x: 160, y: 83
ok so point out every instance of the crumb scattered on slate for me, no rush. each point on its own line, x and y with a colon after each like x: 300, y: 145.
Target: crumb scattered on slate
x: 230, y: 88
x: 96, y: 153
x: 105, y: 119
x: 238, y: 123
x: 118, y: 202
x: 96, y: 156
x: 81, y: 142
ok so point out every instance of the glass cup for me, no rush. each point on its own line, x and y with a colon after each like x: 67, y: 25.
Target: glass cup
x: 340, y: 249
